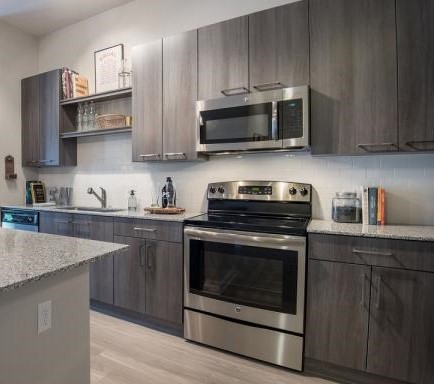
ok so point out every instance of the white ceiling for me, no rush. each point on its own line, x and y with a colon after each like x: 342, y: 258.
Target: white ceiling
x: 40, y: 17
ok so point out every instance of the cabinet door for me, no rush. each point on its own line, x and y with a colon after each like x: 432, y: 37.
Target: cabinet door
x: 147, y: 99
x: 279, y: 47
x: 56, y: 223
x: 30, y: 120
x: 179, y: 96
x: 353, y: 76
x: 101, y: 272
x: 129, y: 275
x: 337, y: 313
x: 49, y: 137
x: 415, y: 28
x: 164, y: 281
x: 223, y: 58
x: 401, y: 328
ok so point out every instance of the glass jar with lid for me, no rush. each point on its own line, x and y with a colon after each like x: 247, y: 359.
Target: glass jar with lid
x: 346, y: 208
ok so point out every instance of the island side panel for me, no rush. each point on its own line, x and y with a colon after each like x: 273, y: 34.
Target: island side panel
x: 59, y: 355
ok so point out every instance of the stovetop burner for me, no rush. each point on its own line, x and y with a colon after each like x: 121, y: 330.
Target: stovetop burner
x: 258, y: 206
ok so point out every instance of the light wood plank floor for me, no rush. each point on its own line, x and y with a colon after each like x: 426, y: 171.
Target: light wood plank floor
x: 126, y: 353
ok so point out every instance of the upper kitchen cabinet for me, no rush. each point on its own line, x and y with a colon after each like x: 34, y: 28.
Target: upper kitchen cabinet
x: 223, y: 59
x: 353, y: 76
x: 179, y: 96
x: 41, y: 123
x: 415, y: 29
x: 147, y: 136
x: 279, y: 47
x: 164, y: 99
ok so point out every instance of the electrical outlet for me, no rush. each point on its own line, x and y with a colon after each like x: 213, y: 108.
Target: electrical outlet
x: 44, y: 316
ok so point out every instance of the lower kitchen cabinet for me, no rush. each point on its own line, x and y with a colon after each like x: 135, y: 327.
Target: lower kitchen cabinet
x: 148, y: 279
x: 338, y: 313
x: 86, y: 227
x: 401, y: 325
x: 164, y: 281
x: 367, y: 316
x: 129, y: 276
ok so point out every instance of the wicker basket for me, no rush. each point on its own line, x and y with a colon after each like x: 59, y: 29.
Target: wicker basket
x: 110, y: 121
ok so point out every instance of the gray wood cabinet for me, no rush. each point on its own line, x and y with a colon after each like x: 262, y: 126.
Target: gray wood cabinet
x: 149, y: 279
x: 353, y: 75
x: 164, y: 271
x: 179, y: 96
x: 101, y: 272
x: 86, y: 227
x: 385, y: 286
x: 415, y: 31
x: 129, y: 275
x: 147, y: 100
x: 164, y: 99
x: 401, y: 326
x: 41, y: 121
x: 223, y: 58
x: 338, y: 313
x: 279, y: 47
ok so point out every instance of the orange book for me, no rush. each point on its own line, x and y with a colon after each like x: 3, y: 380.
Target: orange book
x: 383, y: 206
x: 379, y: 208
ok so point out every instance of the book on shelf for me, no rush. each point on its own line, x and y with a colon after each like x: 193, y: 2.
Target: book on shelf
x: 373, y: 201
x: 73, y: 84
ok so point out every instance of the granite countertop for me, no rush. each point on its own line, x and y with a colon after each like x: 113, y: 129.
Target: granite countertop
x: 399, y: 232
x: 122, y: 213
x: 27, y: 256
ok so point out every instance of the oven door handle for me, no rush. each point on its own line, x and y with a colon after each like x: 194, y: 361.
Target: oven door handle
x: 254, y: 238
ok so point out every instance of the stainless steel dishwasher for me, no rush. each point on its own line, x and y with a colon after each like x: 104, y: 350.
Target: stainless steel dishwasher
x: 19, y: 218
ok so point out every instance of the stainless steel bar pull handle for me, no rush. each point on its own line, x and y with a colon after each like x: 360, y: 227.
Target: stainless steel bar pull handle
x: 235, y: 91
x: 150, y: 230
x: 362, y: 300
x: 366, y: 147
x: 149, y: 155
x: 269, y: 86
x: 414, y: 144
x: 142, y: 256
x: 373, y: 253
x: 176, y: 154
x: 379, y: 285
x: 45, y: 161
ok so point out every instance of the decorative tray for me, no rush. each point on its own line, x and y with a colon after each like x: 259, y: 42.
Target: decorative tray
x: 165, y: 211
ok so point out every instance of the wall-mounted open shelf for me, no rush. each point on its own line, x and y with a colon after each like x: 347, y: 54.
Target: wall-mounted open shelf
x: 96, y: 132
x: 104, y: 96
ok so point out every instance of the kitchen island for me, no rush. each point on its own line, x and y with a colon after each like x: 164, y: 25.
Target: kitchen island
x: 46, y: 343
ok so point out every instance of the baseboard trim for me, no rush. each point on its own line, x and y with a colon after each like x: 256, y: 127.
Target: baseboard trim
x: 138, y: 318
x: 344, y: 375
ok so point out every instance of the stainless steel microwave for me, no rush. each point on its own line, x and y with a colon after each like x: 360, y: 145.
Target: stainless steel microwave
x: 271, y: 120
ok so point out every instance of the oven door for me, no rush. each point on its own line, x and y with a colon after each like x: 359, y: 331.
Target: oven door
x: 239, y: 123
x: 254, y: 277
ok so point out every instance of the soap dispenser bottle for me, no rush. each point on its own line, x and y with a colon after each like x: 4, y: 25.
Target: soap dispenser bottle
x: 132, y: 202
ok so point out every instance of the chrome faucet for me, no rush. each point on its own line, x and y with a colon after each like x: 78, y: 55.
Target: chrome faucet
x: 102, y: 199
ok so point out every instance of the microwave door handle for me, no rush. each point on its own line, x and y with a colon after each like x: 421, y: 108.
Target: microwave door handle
x: 274, y: 122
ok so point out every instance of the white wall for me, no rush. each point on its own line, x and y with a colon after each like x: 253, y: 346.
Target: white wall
x: 107, y: 161
x: 18, y: 59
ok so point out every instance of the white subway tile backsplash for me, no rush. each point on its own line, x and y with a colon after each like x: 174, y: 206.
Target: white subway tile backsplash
x: 106, y: 162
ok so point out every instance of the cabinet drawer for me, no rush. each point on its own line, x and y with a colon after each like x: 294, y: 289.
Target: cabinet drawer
x: 403, y: 254
x: 149, y: 229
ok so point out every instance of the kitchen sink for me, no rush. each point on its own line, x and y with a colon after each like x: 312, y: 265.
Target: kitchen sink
x: 92, y: 209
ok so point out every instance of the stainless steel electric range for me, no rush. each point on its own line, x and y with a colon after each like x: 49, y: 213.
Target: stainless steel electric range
x: 245, y: 270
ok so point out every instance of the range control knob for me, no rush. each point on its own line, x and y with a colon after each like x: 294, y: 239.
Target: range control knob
x: 221, y: 190
x: 292, y: 191
x: 212, y: 190
x: 303, y: 191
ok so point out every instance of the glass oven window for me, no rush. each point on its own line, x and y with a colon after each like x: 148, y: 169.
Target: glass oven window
x: 247, y: 123
x: 258, y: 277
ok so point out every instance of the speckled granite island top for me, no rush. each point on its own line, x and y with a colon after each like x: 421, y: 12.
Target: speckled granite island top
x: 26, y: 257
x: 399, y: 232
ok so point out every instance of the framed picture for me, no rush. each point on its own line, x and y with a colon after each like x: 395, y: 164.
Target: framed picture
x: 108, y: 62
